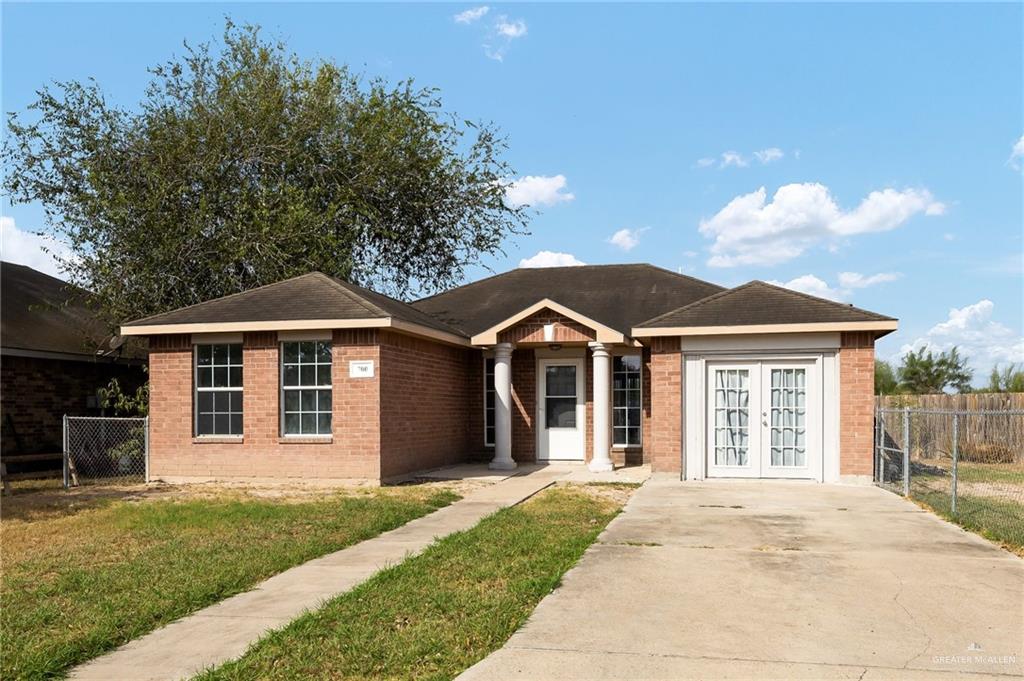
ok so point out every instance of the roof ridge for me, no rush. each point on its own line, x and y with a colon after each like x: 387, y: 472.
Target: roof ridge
x: 697, y: 303
x: 215, y: 300
x: 461, y: 286
x: 682, y: 276
x: 342, y: 286
x: 801, y: 294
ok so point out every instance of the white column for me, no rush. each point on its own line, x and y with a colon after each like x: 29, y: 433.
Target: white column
x: 503, y: 408
x: 601, y: 459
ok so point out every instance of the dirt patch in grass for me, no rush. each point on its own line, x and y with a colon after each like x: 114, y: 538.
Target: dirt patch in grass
x: 438, y: 613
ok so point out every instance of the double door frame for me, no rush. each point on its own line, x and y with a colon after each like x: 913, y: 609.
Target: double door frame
x: 824, y: 370
x: 759, y: 424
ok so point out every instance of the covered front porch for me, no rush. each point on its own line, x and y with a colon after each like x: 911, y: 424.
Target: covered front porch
x: 559, y: 387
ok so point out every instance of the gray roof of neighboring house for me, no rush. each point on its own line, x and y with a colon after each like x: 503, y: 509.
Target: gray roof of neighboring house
x: 310, y: 296
x: 618, y: 296
x: 40, y: 313
x: 756, y: 303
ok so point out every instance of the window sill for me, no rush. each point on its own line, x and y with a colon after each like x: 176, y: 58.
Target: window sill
x: 305, y: 440
x: 626, y: 448
x: 218, y: 440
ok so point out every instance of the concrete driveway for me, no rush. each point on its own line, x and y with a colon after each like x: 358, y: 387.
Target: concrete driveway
x: 745, y: 580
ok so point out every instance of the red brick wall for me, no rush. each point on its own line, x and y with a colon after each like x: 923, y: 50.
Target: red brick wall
x: 352, y: 452
x: 424, y: 404
x: 666, y: 405
x: 524, y: 405
x: 856, y: 403
x: 531, y: 329
x: 36, y: 393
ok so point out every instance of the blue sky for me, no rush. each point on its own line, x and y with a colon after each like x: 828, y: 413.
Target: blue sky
x: 890, y: 130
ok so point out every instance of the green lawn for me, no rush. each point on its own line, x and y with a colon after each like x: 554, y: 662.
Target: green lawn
x: 992, y: 472
x: 436, y: 614
x: 84, y: 574
x: 999, y: 520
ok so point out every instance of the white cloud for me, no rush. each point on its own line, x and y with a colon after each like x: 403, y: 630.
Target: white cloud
x: 749, y: 230
x: 471, y: 15
x: 848, y: 282
x: 1017, y: 154
x: 26, y: 248
x: 855, y: 280
x: 733, y: 158
x: 736, y: 159
x: 766, y: 156
x: 691, y: 254
x: 627, y: 239
x: 984, y: 341
x: 948, y: 236
x: 501, y: 35
x: 510, y: 29
x: 812, y: 285
x: 537, y: 190
x: 551, y: 259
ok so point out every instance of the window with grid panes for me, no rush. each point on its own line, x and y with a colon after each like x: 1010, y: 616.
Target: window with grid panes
x: 306, y: 399
x: 626, y: 392
x: 218, y: 396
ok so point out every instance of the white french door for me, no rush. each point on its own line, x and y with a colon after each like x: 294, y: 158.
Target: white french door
x: 764, y: 420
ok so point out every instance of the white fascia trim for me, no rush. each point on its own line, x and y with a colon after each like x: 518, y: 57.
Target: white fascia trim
x: 296, y: 325
x: 605, y: 334
x: 882, y: 325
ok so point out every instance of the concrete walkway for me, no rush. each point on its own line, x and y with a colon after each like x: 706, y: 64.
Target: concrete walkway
x: 740, y: 580
x: 224, y: 631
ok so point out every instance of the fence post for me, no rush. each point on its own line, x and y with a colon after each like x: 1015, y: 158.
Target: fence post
x: 906, y: 451
x: 64, y: 448
x: 956, y: 457
x: 146, y: 446
x: 878, y: 444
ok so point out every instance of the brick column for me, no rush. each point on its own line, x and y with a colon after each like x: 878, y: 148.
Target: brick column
x: 666, y: 404
x: 856, y: 404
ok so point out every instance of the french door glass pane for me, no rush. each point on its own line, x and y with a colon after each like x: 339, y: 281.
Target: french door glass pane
x: 732, y: 417
x: 788, y: 417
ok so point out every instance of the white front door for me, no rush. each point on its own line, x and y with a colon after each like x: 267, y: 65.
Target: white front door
x: 764, y: 420
x: 561, y: 409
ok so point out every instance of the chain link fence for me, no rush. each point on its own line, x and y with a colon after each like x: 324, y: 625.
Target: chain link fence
x: 102, y: 450
x: 966, y: 465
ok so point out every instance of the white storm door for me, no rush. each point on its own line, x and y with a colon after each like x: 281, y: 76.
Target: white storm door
x: 561, y: 410
x: 734, y: 433
x: 790, y: 418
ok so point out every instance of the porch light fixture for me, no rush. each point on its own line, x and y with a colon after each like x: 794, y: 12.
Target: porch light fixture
x: 554, y: 346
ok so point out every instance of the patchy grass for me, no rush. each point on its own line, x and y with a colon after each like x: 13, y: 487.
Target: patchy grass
x: 992, y: 472
x: 999, y: 520
x: 438, y: 613
x: 84, y: 573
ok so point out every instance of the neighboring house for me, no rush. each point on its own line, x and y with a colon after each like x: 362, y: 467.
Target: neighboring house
x: 54, y: 357
x: 314, y: 377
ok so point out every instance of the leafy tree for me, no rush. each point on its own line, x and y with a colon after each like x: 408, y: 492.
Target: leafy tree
x: 1008, y: 380
x: 885, y: 378
x: 246, y: 165
x: 923, y: 372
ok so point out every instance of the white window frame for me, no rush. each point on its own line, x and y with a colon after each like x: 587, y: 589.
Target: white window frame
x: 282, y: 389
x: 490, y: 357
x: 196, y: 388
x: 640, y: 426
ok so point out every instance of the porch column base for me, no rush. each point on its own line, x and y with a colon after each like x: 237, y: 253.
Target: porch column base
x: 502, y: 465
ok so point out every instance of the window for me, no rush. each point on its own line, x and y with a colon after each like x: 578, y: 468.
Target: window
x: 489, y: 397
x: 626, y: 372
x: 218, y: 389
x: 560, y: 396
x: 306, y: 387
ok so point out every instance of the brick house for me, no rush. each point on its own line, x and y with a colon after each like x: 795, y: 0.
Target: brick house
x: 54, y: 357
x: 317, y: 378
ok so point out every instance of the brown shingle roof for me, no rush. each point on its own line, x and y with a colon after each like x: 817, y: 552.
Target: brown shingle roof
x: 756, y: 303
x: 310, y: 296
x: 40, y: 313
x: 618, y: 296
